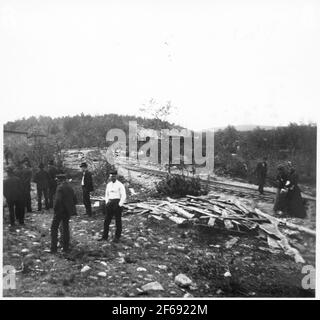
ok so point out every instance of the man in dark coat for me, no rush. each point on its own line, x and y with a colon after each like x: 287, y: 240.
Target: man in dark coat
x: 52, y: 171
x: 13, y: 192
x: 41, y: 178
x: 26, y: 176
x: 87, y: 187
x: 261, y: 171
x: 64, y: 208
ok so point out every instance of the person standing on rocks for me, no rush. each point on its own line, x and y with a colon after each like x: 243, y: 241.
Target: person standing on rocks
x: 64, y: 208
x: 41, y: 178
x: 87, y: 187
x: 13, y: 192
x: 52, y: 171
x: 115, y: 198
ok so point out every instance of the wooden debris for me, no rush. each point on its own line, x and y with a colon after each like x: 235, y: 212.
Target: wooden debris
x: 211, y: 221
x: 180, y: 211
x: 300, y: 228
x: 177, y: 220
x: 284, y: 243
x: 273, y: 244
x: 222, y: 216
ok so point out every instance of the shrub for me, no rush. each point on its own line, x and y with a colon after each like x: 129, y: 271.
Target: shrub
x: 180, y: 185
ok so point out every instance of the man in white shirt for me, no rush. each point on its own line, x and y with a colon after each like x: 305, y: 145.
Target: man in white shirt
x: 115, y: 198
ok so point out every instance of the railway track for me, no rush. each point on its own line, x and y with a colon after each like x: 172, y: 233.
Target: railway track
x: 238, y: 190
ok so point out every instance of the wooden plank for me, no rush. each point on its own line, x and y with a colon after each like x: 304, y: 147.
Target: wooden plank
x: 283, y: 241
x: 156, y: 217
x: 196, y: 209
x: 211, y: 221
x: 242, y: 207
x: 180, y: 211
x: 271, y: 230
x: 177, y: 220
x: 228, y: 224
x: 300, y: 228
x: 285, y: 223
x: 273, y: 244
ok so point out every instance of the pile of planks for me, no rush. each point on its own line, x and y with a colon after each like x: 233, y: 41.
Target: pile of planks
x: 202, y: 211
x: 223, y: 216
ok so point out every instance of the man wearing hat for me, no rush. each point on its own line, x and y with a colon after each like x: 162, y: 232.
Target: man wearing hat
x: 13, y: 192
x: 87, y: 187
x: 261, y: 171
x: 64, y: 208
x: 41, y: 178
x: 115, y: 198
x: 52, y: 171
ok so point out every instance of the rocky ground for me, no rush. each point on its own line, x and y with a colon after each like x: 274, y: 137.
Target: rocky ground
x: 153, y: 259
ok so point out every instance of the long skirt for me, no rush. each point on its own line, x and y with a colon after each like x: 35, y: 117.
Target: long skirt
x: 281, y: 202
x: 295, y: 203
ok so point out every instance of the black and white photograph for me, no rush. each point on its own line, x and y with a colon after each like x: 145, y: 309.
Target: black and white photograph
x: 159, y: 150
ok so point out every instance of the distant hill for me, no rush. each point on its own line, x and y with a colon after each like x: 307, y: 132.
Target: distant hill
x: 246, y: 127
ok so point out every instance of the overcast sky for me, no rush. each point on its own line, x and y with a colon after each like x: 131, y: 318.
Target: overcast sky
x: 218, y: 62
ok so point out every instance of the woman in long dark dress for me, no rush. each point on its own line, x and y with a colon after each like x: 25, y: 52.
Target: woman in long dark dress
x: 295, y: 202
x: 281, y: 203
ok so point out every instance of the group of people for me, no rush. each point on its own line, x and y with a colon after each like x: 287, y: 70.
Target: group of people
x: 17, y: 188
x: 59, y: 195
x: 288, y: 199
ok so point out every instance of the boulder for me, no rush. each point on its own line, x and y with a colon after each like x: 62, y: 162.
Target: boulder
x: 182, y: 280
x: 152, y: 286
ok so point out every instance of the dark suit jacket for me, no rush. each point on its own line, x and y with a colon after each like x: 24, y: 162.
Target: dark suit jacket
x: 25, y: 176
x: 41, y: 178
x: 261, y: 170
x: 52, y: 172
x: 12, y: 189
x: 65, y: 200
x: 88, y: 184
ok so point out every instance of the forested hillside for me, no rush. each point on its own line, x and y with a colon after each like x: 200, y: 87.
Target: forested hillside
x: 82, y: 131
x: 236, y: 152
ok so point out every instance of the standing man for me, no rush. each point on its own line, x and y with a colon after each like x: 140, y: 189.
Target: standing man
x: 115, y: 198
x: 87, y: 187
x: 64, y: 208
x: 13, y: 192
x: 41, y: 178
x: 26, y: 176
x: 52, y: 171
x: 261, y: 172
